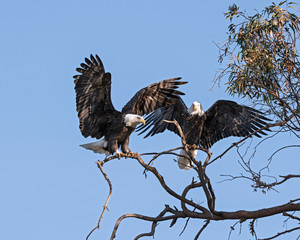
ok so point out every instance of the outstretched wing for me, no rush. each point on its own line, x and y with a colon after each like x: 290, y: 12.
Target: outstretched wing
x: 227, y: 118
x: 154, y: 96
x: 94, y: 106
x: 176, y: 111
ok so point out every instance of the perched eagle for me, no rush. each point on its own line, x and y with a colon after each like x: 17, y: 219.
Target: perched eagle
x: 99, y: 118
x: 204, y: 128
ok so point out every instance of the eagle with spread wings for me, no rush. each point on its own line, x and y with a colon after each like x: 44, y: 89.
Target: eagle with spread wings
x: 204, y: 128
x: 97, y: 116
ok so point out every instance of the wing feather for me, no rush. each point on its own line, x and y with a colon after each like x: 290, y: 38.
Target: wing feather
x: 93, y: 88
x: 228, y: 118
x: 176, y: 111
x: 154, y: 96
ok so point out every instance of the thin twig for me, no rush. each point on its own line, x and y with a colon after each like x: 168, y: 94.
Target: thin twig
x: 252, y: 229
x: 164, y: 152
x: 100, y: 166
x: 281, y: 233
x: 146, y: 218
x: 201, y: 230
x: 185, y: 225
x: 154, y: 224
x: 232, y: 229
x: 278, y: 150
x: 291, y: 216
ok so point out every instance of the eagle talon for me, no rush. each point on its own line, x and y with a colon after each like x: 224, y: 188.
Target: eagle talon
x: 131, y: 153
x: 119, y: 155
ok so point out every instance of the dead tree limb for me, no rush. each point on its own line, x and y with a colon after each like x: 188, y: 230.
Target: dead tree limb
x: 281, y: 233
x: 100, y: 166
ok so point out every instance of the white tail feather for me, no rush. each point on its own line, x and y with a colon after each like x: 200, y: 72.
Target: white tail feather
x: 97, y: 147
x: 184, y: 162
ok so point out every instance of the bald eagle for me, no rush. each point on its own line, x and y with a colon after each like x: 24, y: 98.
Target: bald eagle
x: 204, y: 128
x: 97, y: 115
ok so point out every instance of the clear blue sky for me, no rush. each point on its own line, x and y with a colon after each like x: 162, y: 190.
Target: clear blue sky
x: 50, y: 187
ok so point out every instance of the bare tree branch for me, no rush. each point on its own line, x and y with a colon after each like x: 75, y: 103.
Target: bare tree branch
x: 291, y: 216
x: 281, y: 233
x: 201, y: 230
x: 282, y: 148
x: 100, y: 166
x: 232, y: 229
x: 154, y: 224
x: 204, y: 213
x: 146, y: 218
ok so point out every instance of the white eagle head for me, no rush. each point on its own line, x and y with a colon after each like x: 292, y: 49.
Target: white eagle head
x: 132, y: 120
x: 196, y: 108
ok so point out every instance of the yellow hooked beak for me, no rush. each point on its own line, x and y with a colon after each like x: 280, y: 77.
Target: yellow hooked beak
x: 195, y: 107
x: 142, y: 121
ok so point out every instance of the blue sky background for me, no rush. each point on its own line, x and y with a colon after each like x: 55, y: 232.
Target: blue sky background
x: 50, y: 187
